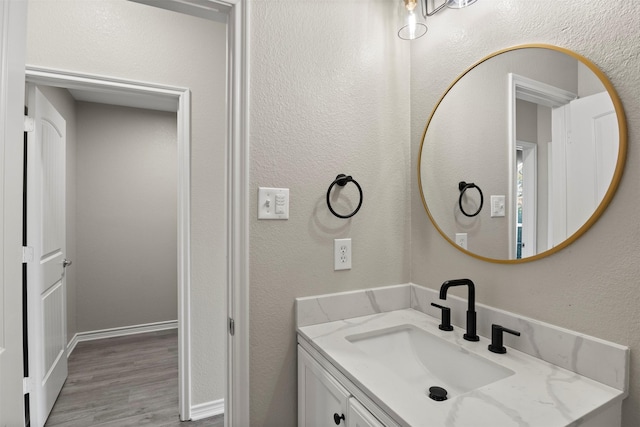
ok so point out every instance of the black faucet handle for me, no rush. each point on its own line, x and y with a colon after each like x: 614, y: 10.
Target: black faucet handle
x: 496, y: 345
x: 445, y: 324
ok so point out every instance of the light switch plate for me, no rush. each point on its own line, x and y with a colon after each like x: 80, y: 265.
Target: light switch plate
x: 497, y: 206
x: 273, y: 203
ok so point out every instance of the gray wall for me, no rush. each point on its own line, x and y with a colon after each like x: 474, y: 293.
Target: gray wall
x: 591, y: 286
x: 526, y: 121
x: 588, y: 83
x: 66, y: 106
x: 123, y: 39
x: 126, y: 216
x: 120, y: 214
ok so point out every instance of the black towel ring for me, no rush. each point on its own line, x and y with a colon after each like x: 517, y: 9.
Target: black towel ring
x: 342, y: 180
x: 463, y: 186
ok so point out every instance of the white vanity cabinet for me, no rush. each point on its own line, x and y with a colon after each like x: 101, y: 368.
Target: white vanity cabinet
x: 359, y: 416
x: 384, y: 360
x: 321, y: 399
x: 324, y: 402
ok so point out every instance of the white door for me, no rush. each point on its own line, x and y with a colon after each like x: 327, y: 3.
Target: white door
x: 592, y: 154
x: 46, y: 291
x: 584, y: 155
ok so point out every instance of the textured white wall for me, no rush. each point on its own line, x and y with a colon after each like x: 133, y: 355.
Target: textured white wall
x: 133, y: 41
x: 591, y: 286
x: 126, y: 214
x: 329, y: 95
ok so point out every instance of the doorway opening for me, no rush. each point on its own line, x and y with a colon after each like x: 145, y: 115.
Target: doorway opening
x: 530, y: 103
x: 236, y: 201
x: 163, y: 98
x: 526, y: 198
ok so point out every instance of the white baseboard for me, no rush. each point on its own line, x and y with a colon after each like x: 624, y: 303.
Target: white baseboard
x: 119, y: 332
x: 207, y: 409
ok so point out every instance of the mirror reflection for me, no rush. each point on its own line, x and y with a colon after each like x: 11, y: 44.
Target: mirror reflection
x: 541, y: 132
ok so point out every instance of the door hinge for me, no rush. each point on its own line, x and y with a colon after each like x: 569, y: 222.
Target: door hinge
x: 27, y: 254
x: 27, y: 385
x: 29, y: 124
x: 232, y: 326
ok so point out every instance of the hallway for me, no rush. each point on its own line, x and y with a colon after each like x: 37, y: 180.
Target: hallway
x: 124, y: 381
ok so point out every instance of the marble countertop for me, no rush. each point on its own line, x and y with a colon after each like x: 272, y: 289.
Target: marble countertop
x: 537, y: 394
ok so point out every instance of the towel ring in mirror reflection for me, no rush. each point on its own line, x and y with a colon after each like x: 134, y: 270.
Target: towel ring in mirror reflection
x: 464, y: 186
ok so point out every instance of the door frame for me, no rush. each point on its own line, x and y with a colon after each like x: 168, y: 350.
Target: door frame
x: 236, y: 14
x: 13, y: 18
x: 162, y: 95
x: 12, y: 51
x: 237, y: 412
x: 530, y: 90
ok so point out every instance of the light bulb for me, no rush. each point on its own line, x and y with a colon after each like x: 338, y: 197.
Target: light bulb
x: 411, y: 22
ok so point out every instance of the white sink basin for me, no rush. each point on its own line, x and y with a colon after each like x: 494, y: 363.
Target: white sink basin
x: 423, y: 360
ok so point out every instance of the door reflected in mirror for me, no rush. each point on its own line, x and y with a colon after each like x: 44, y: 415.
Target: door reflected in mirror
x: 539, y: 126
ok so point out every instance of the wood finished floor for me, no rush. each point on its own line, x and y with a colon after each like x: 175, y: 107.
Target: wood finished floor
x: 124, y: 381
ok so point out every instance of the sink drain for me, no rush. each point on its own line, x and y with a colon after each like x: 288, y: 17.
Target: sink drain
x: 437, y: 393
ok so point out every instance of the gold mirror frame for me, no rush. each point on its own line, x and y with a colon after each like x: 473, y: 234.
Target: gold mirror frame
x: 617, y: 176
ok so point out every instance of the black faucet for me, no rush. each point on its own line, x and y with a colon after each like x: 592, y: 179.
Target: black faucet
x: 445, y: 322
x: 471, y: 310
x: 496, y: 345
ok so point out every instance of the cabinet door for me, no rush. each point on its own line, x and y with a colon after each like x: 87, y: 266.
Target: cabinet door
x: 321, y: 399
x: 359, y: 416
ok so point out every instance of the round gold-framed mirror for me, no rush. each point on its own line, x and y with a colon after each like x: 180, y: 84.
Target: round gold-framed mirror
x: 522, y: 153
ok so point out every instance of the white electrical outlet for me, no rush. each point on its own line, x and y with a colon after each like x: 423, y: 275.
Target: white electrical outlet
x: 461, y: 240
x: 342, y: 254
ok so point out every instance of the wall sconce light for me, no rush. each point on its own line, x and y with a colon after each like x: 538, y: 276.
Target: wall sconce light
x: 413, y: 15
